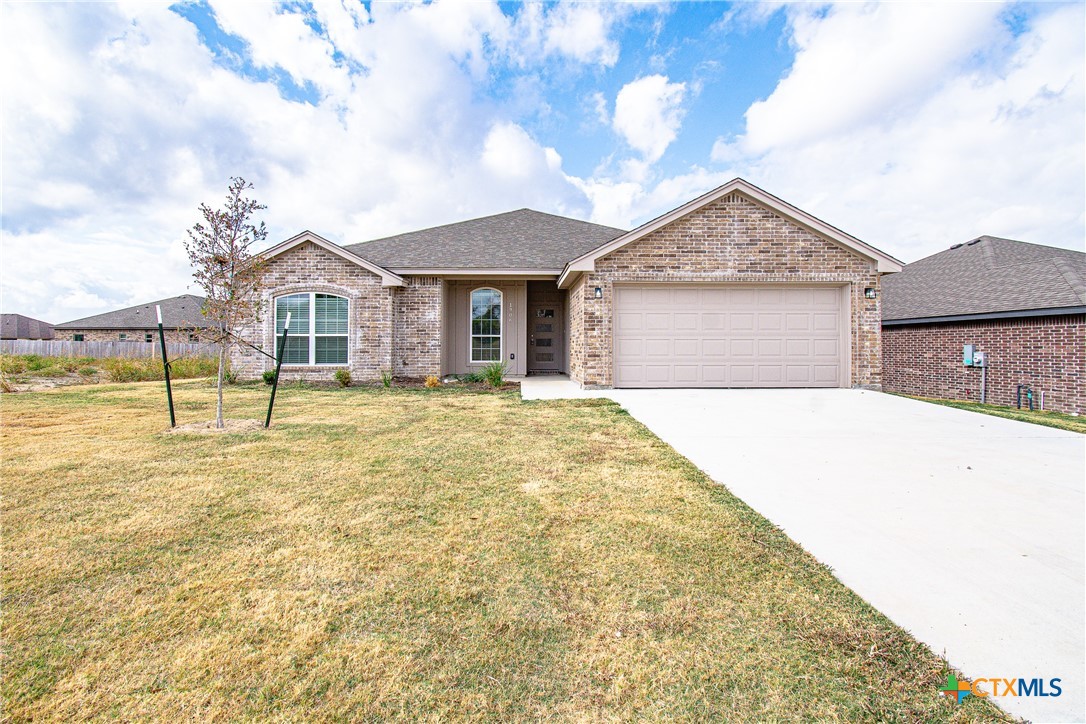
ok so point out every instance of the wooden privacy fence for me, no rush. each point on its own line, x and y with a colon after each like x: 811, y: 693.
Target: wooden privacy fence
x: 64, y: 348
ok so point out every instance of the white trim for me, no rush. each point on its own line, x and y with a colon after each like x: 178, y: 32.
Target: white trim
x: 587, y: 262
x: 388, y: 279
x: 501, y: 327
x: 476, y: 273
x: 312, y: 334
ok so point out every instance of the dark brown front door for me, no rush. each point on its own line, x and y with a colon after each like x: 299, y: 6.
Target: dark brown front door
x: 546, y: 328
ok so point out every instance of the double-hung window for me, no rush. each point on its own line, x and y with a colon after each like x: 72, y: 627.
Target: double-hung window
x: 486, y: 325
x: 318, y: 328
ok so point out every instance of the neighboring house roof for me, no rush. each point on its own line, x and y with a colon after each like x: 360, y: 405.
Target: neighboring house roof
x: 18, y: 326
x: 988, y: 276
x: 587, y: 261
x: 516, y: 240
x: 182, y: 311
x: 388, y: 279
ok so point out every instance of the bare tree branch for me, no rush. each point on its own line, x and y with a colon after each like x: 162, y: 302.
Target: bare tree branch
x: 220, y: 249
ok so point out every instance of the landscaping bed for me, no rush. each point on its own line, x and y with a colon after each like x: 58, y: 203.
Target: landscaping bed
x: 413, y: 554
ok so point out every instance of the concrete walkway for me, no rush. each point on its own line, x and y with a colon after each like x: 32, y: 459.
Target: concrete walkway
x: 965, y: 529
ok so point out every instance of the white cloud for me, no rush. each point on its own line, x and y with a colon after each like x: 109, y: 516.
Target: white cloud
x: 648, y: 113
x: 860, y: 63
x: 989, y: 146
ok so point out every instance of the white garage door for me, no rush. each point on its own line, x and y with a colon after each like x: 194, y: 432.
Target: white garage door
x: 728, y: 336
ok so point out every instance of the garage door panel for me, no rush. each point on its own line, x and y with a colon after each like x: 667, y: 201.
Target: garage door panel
x: 657, y: 347
x: 689, y: 348
x: 824, y: 321
x: 770, y: 322
x: 685, y: 320
x: 727, y: 336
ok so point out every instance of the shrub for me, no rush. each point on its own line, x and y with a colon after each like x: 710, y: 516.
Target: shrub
x: 120, y: 369
x: 52, y: 371
x: 386, y: 378
x: 433, y: 381
x: 494, y: 373
x: 87, y: 371
x: 269, y: 377
x: 471, y: 377
x: 12, y: 364
x: 343, y: 377
x: 35, y: 362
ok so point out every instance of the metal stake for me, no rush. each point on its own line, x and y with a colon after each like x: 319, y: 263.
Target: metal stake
x: 165, y: 365
x: 278, y: 365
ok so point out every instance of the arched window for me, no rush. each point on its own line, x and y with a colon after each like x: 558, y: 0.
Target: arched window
x: 318, y: 328
x: 486, y: 325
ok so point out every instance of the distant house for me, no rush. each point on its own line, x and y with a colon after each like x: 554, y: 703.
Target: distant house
x: 17, y: 326
x: 181, y: 319
x: 1023, y: 305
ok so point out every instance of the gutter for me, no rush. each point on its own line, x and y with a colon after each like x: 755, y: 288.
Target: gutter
x: 1018, y: 314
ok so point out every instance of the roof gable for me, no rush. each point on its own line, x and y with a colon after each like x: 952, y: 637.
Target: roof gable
x: 521, y: 240
x: 586, y: 262
x: 987, y: 275
x: 388, y: 279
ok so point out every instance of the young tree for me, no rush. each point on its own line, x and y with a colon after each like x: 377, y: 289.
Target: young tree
x: 220, y: 251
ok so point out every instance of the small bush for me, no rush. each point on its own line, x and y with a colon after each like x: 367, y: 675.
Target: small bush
x: 472, y: 378
x: 12, y: 364
x: 87, y: 371
x: 433, y: 381
x: 343, y: 377
x: 269, y: 377
x: 386, y: 378
x: 120, y: 369
x: 51, y: 371
x: 494, y: 374
x: 35, y: 362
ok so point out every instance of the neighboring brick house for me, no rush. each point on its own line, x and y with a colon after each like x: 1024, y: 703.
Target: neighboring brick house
x: 181, y: 320
x: 736, y: 288
x: 18, y: 326
x: 1023, y: 305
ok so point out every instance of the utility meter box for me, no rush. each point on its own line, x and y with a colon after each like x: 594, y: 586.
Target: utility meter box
x: 979, y: 359
x: 968, y: 352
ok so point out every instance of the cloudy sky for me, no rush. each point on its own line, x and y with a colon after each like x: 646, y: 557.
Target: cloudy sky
x: 912, y: 126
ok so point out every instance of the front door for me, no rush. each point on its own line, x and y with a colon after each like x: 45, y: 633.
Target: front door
x: 546, y: 328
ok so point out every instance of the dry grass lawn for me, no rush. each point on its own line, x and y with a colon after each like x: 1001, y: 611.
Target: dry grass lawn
x: 412, y: 554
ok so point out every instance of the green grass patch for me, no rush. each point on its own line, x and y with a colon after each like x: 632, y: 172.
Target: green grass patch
x: 413, y: 554
x: 1047, y: 418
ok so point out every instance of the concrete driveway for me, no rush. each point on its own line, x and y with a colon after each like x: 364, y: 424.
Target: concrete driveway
x: 965, y: 529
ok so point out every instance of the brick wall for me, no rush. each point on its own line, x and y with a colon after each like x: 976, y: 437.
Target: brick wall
x: 309, y: 268
x: 417, y: 322
x: 134, y: 335
x: 1047, y: 353
x: 731, y: 240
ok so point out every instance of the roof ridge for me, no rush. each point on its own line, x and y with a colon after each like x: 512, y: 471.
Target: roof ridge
x: 1076, y: 281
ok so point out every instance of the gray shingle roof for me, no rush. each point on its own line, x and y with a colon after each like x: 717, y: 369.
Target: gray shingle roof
x: 182, y: 311
x: 522, y: 239
x: 20, y: 326
x: 983, y: 276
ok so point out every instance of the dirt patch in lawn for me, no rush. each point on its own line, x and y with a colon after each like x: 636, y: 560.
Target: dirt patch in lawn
x: 208, y: 427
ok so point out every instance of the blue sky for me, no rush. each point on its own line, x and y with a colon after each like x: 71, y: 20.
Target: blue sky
x: 912, y: 126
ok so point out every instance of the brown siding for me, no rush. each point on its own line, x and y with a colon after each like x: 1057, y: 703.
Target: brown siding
x: 1046, y: 353
x: 730, y: 240
x: 457, y: 326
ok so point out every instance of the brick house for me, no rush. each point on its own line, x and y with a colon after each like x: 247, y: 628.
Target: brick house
x: 1023, y: 305
x: 182, y: 321
x: 736, y: 288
